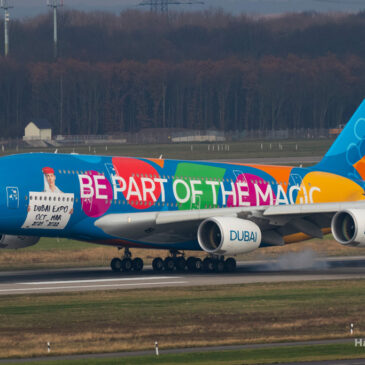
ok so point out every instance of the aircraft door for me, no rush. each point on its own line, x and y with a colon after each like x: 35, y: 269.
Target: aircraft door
x: 197, y: 204
x: 12, y: 197
x: 295, y: 179
x: 110, y: 168
x: 238, y: 173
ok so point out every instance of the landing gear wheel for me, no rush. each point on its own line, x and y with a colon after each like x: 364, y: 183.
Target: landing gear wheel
x: 208, y: 264
x: 190, y: 263
x: 116, y: 264
x: 230, y: 265
x: 219, y: 266
x: 137, y: 264
x: 157, y: 264
x: 126, y: 264
x: 169, y: 264
x: 198, y: 265
x: 180, y: 263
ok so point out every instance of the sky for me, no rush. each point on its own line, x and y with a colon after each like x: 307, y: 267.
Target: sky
x: 28, y: 8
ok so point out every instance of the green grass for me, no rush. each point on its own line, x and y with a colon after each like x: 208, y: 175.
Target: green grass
x: 235, y: 357
x: 237, y: 150
x: 130, y: 320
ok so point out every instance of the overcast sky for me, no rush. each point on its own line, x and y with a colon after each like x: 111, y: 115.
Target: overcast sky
x: 24, y: 8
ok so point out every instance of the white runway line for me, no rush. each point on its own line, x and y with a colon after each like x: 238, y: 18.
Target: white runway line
x: 98, y: 280
x: 91, y: 286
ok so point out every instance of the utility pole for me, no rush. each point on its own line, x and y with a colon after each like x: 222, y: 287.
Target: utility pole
x: 162, y: 6
x: 6, y: 5
x: 55, y: 4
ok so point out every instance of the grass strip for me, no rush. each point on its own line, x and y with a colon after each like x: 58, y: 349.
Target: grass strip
x: 199, y: 151
x: 271, y: 355
x: 129, y: 320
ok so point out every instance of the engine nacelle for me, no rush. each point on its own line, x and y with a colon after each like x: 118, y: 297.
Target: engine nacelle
x: 348, y: 227
x: 14, y: 242
x: 228, y: 236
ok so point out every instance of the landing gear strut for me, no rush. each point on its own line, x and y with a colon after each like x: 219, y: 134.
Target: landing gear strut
x: 126, y: 264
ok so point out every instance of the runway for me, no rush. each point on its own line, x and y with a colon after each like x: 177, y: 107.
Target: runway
x: 79, y: 279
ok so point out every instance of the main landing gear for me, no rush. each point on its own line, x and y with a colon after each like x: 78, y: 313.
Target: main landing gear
x: 126, y: 264
x: 177, y: 262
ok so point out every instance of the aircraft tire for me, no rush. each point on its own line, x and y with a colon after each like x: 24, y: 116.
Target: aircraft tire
x: 169, y: 264
x: 190, y: 263
x: 198, y: 265
x: 157, y: 264
x: 219, y: 266
x: 116, y: 264
x: 208, y: 264
x: 230, y: 265
x: 180, y: 263
x: 137, y: 264
x: 127, y: 264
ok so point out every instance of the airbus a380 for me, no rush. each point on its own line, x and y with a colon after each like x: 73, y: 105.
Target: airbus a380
x: 223, y: 209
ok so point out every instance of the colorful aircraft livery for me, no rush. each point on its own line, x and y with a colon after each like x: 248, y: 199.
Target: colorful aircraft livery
x: 223, y: 209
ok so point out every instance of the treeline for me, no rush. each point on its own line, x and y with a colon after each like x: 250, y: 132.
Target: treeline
x: 111, y: 79
x: 213, y: 35
x: 270, y: 93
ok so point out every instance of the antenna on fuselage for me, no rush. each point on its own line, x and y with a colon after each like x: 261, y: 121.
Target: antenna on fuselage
x: 56, y: 150
x: 160, y: 158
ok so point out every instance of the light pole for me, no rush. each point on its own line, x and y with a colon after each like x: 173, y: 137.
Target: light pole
x: 55, y: 4
x: 6, y: 5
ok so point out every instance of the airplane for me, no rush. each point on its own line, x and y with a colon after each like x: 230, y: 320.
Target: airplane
x: 222, y: 209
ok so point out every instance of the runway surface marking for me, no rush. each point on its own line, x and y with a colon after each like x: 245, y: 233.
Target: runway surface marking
x: 89, y: 286
x: 97, y: 280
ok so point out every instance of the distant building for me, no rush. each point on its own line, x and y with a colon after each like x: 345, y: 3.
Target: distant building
x: 38, y: 129
x: 198, y: 136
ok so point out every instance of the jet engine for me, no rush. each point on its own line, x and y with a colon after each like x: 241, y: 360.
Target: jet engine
x: 14, y: 242
x: 228, y: 236
x: 348, y: 227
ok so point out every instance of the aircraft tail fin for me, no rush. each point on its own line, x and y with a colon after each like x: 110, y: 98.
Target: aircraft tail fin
x: 346, y: 156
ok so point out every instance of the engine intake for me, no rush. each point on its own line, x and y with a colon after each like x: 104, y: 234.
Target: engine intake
x: 348, y: 227
x: 228, y: 236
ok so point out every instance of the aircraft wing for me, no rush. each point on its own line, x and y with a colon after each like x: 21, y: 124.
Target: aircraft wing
x: 178, y: 226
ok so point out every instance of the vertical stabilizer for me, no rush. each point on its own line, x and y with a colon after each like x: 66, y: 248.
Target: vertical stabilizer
x: 346, y: 156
